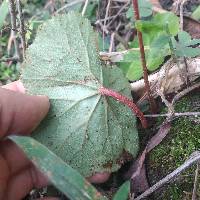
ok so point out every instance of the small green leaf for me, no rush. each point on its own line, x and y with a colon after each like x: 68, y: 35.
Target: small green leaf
x: 89, y: 131
x: 4, y: 9
x: 158, y: 24
x: 61, y: 175
x: 196, y: 13
x: 182, y: 48
x: 156, y: 57
x: 187, y: 51
x: 135, y: 71
x: 123, y: 192
x: 131, y: 65
x: 186, y: 40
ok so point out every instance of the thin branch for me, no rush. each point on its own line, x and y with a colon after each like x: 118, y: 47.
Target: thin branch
x: 105, y: 21
x: 193, y: 159
x: 22, y: 27
x: 68, y: 5
x: 194, y: 192
x: 175, y: 114
x: 184, y: 92
x: 143, y: 59
x: 85, y: 7
x: 13, y: 59
x: 12, y: 9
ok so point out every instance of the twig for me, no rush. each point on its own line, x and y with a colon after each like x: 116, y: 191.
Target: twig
x: 143, y: 60
x: 22, y: 27
x: 12, y: 10
x: 175, y: 114
x: 118, y: 13
x: 85, y: 7
x: 112, y: 39
x: 194, y: 192
x: 68, y: 5
x: 184, y: 92
x: 9, y: 59
x: 193, y: 159
x: 181, y: 13
x: 105, y: 21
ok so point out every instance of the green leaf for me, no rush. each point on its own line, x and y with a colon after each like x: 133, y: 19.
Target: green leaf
x: 61, y: 175
x: 196, y: 13
x: 87, y: 130
x: 182, y: 46
x: 186, y: 40
x: 159, y: 49
x: 158, y: 24
x: 131, y: 65
x: 3, y: 12
x: 145, y: 9
x: 123, y: 192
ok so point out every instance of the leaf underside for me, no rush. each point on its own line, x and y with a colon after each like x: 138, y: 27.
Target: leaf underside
x: 88, y: 131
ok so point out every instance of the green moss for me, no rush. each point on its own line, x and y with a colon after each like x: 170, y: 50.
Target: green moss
x: 181, y: 142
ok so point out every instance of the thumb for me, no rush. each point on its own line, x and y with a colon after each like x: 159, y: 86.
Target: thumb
x: 20, y: 113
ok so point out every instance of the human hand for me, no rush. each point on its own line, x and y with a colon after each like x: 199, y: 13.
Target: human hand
x: 20, y: 114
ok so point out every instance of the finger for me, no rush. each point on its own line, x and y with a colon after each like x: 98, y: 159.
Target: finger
x: 20, y: 113
x: 13, y: 156
x: 99, y: 177
x: 16, y: 86
x: 4, y: 175
x: 21, y: 184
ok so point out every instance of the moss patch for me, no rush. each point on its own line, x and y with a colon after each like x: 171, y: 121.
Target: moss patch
x: 181, y: 142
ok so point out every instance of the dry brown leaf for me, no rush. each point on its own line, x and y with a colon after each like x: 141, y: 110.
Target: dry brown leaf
x: 192, y: 27
x: 173, y: 82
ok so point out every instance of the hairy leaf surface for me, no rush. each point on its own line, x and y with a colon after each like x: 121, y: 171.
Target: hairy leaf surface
x: 88, y: 131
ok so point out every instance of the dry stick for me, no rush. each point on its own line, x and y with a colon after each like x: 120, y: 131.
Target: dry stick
x: 184, y: 92
x: 143, y: 60
x: 175, y: 114
x: 22, y: 27
x: 181, y: 13
x: 174, y: 174
x: 12, y: 10
x: 69, y: 5
x: 105, y: 21
x: 118, y: 13
x: 85, y: 7
x: 194, y: 192
x: 13, y: 59
x: 181, y: 28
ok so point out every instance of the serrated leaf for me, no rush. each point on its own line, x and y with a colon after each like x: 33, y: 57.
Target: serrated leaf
x: 87, y: 130
x: 123, y: 191
x: 66, y: 179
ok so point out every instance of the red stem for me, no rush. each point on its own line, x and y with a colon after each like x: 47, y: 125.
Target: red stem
x: 143, y: 59
x: 125, y: 101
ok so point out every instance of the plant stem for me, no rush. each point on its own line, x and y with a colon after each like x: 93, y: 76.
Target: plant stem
x: 125, y: 101
x: 12, y: 9
x: 143, y: 60
x: 22, y: 27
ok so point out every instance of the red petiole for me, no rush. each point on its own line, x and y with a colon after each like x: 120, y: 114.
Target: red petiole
x: 126, y: 101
